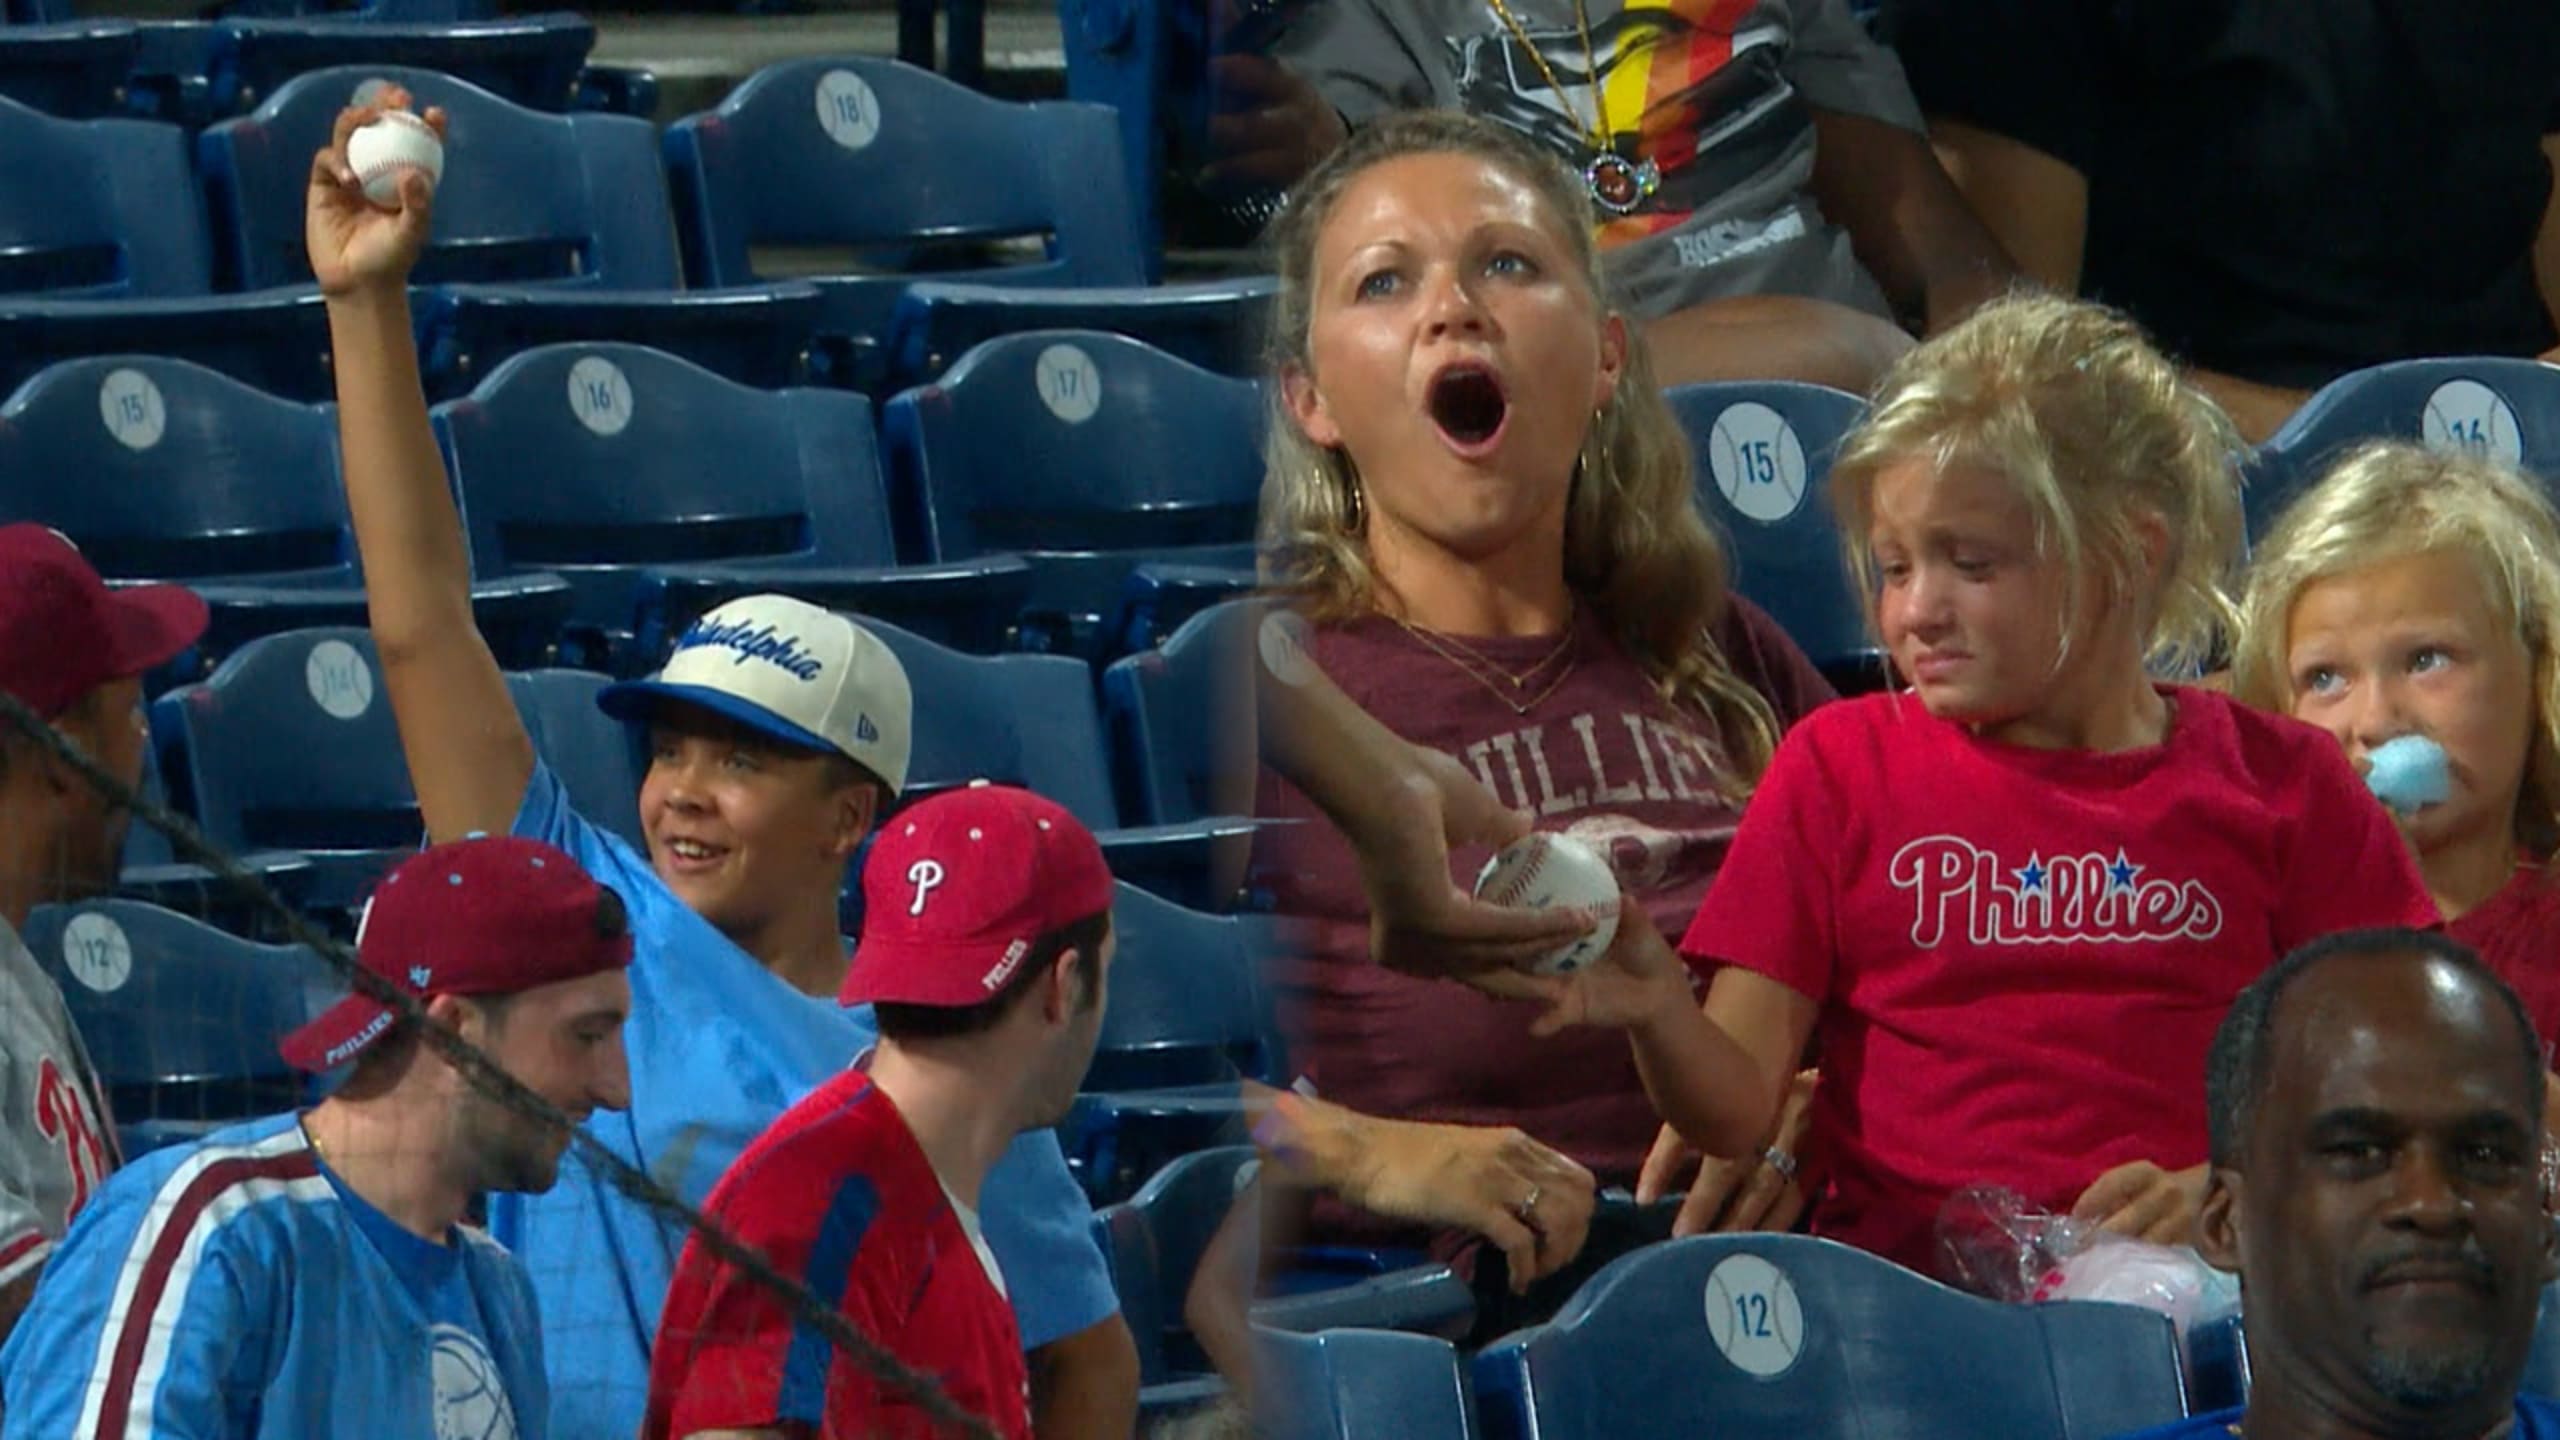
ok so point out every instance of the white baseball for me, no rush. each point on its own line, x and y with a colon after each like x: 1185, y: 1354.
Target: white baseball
x: 1548, y: 869
x: 379, y: 151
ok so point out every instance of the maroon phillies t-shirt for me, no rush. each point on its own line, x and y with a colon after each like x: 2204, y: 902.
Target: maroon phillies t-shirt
x: 2517, y: 931
x: 1604, y: 758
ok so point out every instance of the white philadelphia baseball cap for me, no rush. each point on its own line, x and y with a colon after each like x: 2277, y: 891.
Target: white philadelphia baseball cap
x: 803, y: 675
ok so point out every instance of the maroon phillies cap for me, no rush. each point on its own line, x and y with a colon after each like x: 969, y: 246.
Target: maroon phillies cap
x: 958, y: 888
x: 64, y: 633
x: 484, y: 916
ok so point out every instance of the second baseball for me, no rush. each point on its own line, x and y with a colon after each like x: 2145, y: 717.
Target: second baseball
x: 381, y: 151
x: 1548, y: 870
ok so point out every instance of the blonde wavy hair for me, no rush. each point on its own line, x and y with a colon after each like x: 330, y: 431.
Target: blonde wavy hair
x: 2392, y: 500
x: 2097, y: 430
x: 1636, y: 550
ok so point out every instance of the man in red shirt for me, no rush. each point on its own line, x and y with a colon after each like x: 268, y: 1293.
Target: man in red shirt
x: 985, y: 947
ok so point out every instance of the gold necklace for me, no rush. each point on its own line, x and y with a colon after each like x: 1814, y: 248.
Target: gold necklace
x: 1481, y: 661
x: 1517, y: 707
x: 1618, y: 182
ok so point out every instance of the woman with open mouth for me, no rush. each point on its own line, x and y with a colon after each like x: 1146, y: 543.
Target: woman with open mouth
x: 1481, y: 505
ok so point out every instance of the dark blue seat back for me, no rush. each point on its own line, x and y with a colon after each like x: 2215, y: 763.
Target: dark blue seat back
x: 1218, y: 325
x: 181, y: 1019
x: 1025, y: 720
x: 595, y: 756
x: 1179, y: 717
x: 1185, y: 998
x: 73, y: 71
x: 99, y: 208
x: 598, y: 461
x: 1359, y: 1385
x: 162, y: 469
x: 1762, y: 453
x: 290, y: 745
x: 1075, y: 440
x: 1784, y: 1334
x: 526, y: 196
x: 883, y: 155
x: 1153, y: 1242
x: 2505, y: 408
x: 532, y: 60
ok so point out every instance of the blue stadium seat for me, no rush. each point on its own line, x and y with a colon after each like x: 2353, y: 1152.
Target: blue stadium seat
x: 652, y: 483
x: 98, y: 209
x: 2217, y: 1365
x: 549, y: 228
x: 1160, y: 597
x: 290, y: 745
x: 1359, y: 1385
x: 1087, y: 453
x: 1180, y: 719
x: 181, y: 1019
x: 527, y: 197
x: 273, y: 340
x: 884, y: 158
x: 1186, y: 999
x: 1217, y: 325
x: 1761, y: 451
x: 759, y: 335
x: 1809, y: 1338
x: 1030, y: 720
x: 596, y: 757
x: 164, y: 470
x: 72, y: 71
x: 150, y: 871
x: 2504, y: 407
x: 1154, y: 1242
x: 1187, y: 1017
x: 533, y: 60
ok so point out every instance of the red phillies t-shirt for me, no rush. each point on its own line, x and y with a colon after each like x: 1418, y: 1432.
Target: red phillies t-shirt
x: 2021, y: 955
x: 838, y: 1196
x: 2517, y: 930
x: 1604, y: 757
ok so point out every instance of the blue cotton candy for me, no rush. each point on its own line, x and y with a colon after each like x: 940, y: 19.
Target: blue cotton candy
x: 2409, y: 774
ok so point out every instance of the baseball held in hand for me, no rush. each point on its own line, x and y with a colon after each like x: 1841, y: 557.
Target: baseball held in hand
x: 1549, y: 870
x: 381, y: 151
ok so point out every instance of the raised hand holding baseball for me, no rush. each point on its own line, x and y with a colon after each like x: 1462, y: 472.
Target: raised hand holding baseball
x: 365, y: 230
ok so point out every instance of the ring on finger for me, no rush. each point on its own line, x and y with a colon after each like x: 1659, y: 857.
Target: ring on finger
x: 1527, y: 1210
x: 1780, y: 1161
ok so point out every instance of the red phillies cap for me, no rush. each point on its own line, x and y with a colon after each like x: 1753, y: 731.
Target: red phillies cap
x: 958, y: 888
x: 485, y: 916
x: 63, y: 633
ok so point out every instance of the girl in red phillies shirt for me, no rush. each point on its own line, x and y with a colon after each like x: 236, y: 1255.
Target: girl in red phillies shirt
x: 2011, y: 903
x: 2414, y: 592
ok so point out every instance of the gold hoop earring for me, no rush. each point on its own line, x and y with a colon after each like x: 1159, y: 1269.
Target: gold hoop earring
x: 1594, y: 443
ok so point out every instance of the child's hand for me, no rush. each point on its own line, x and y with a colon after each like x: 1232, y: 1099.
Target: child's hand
x: 355, y: 244
x: 1636, y: 979
x: 2145, y: 1202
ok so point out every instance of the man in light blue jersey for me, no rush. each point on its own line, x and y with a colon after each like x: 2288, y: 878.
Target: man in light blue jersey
x: 777, y: 735
x: 309, y: 1276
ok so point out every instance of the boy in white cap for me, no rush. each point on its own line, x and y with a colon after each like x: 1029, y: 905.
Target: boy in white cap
x: 777, y: 733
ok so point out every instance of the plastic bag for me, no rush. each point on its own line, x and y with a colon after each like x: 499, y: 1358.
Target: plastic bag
x: 1994, y: 1243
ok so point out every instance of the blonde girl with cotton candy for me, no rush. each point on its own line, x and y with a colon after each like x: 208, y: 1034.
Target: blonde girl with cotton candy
x: 2405, y: 603
x: 2011, y: 902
